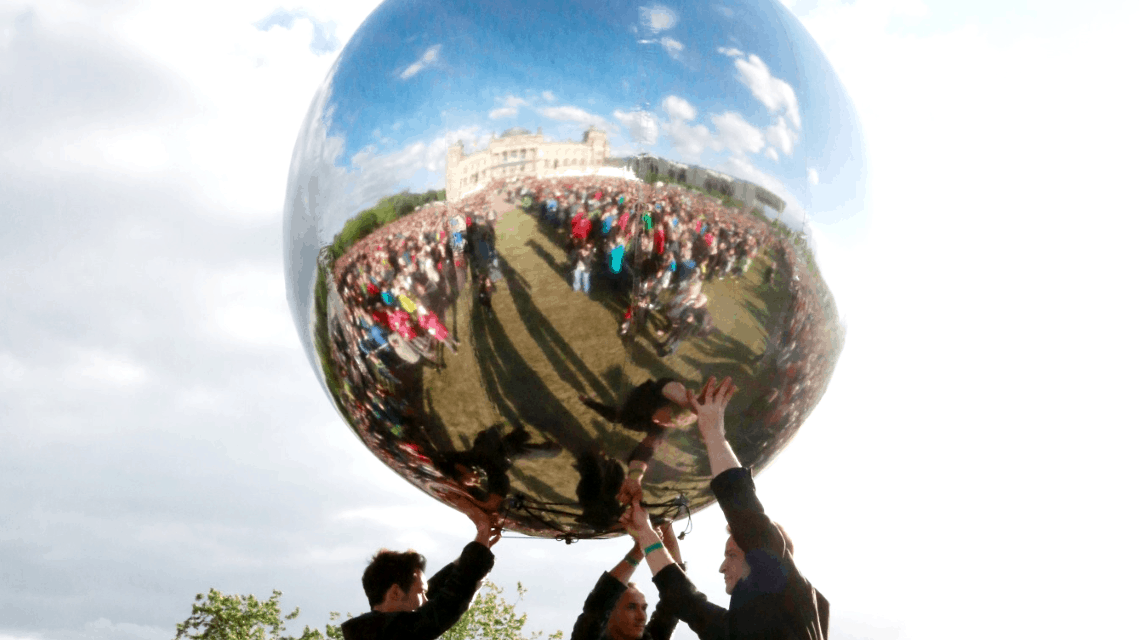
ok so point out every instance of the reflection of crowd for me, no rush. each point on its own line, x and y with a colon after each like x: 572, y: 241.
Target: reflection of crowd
x: 805, y: 351
x: 397, y: 288
x: 656, y: 246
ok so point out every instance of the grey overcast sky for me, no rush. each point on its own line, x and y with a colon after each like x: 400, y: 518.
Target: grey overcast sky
x: 161, y: 432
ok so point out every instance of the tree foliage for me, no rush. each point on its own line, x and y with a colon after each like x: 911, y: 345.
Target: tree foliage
x: 217, y: 616
x: 492, y: 617
x: 387, y: 210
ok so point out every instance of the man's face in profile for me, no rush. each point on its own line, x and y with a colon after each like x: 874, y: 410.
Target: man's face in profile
x: 734, y: 567
x: 414, y: 597
x: 627, y: 622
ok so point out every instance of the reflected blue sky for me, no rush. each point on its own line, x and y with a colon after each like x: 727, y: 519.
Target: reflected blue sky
x: 737, y: 87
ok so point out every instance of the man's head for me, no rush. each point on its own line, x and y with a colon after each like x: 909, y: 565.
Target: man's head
x: 394, y: 581
x: 627, y: 621
x: 735, y: 568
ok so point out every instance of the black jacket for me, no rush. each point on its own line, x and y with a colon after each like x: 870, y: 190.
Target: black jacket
x: 457, y: 584
x: 773, y: 603
x: 591, y: 624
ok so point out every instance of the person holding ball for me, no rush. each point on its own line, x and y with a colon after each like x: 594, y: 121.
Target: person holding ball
x: 769, y: 599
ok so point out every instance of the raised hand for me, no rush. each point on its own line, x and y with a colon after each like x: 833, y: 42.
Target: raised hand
x: 635, y: 520
x: 710, y: 404
x: 488, y: 525
x: 630, y: 491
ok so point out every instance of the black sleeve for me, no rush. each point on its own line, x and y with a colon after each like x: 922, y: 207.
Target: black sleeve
x: 751, y: 529
x: 683, y: 600
x: 444, y: 608
x: 824, y: 609
x: 661, y: 623
x: 648, y: 445
x: 596, y: 611
x: 643, y: 401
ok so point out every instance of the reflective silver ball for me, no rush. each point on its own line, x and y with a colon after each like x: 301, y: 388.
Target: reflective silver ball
x: 517, y: 233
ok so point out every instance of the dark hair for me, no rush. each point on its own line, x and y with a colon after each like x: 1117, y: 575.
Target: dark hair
x: 783, y: 534
x: 390, y: 568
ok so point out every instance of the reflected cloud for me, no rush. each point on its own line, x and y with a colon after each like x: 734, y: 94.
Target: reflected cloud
x: 774, y: 93
x: 642, y: 125
x: 426, y: 59
x: 657, y: 18
x: 576, y: 115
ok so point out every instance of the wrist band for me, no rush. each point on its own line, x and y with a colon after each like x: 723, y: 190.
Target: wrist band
x: 632, y: 561
x: 636, y: 473
x: 654, y: 547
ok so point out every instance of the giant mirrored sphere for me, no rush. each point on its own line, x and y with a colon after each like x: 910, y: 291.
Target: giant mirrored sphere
x: 516, y: 231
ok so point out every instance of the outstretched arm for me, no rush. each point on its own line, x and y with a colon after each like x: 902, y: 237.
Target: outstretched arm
x: 664, y: 619
x: 623, y: 570
x: 679, y: 598
x: 732, y: 484
x: 636, y: 522
x: 709, y: 407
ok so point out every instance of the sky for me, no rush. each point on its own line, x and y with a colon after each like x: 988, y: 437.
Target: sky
x: 742, y: 89
x: 966, y: 474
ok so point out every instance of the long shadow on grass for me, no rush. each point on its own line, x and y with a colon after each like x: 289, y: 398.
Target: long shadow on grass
x: 549, y: 259
x: 520, y: 395
x: 516, y: 389
x: 570, y: 368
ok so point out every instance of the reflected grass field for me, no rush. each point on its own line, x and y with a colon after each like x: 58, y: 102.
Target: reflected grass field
x: 544, y: 344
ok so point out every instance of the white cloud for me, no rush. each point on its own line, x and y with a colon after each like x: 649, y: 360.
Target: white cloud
x: 738, y: 135
x: 678, y: 108
x: 775, y: 94
x: 548, y: 96
x: 772, y: 154
x: 104, y: 629
x: 657, y: 18
x: 273, y: 71
x: 690, y: 141
x: 247, y: 307
x: 642, y: 125
x: 318, y: 184
x: 813, y: 176
x: 123, y: 150
x: 510, y: 107
x: 12, y: 371
x: 98, y: 368
x: 426, y: 59
x: 731, y: 52
x: 574, y: 114
x: 780, y: 136
x: 323, y: 39
x: 672, y: 47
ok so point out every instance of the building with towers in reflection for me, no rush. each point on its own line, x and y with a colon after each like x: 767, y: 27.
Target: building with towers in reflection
x: 519, y: 153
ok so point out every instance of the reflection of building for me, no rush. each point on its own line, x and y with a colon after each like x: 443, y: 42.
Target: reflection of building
x: 752, y: 195
x: 518, y: 152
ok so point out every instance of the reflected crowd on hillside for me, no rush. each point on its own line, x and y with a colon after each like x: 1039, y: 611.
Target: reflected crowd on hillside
x: 395, y: 295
